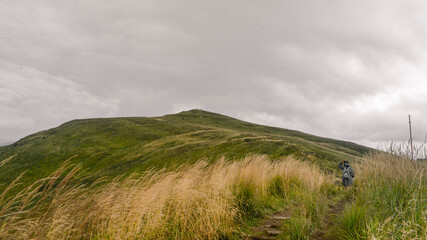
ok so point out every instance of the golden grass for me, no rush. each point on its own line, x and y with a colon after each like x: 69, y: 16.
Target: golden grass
x: 198, y: 201
x: 3, y: 162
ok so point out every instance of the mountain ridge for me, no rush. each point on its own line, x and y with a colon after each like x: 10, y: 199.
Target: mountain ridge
x: 116, y: 146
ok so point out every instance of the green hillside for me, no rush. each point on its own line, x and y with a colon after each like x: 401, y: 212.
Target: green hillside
x: 116, y: 146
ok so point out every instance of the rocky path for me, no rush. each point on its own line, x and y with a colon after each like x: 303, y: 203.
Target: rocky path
x: 327, y: 222
x: 270, y: 228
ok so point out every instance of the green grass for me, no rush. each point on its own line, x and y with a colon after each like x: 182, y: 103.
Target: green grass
x: 388, y: 200
x: 297, y: 229
x: 352, y: 223
x: 308, y: 210
x: 117, y: 146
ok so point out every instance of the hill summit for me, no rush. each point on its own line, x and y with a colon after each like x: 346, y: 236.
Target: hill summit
x: 115, y: 146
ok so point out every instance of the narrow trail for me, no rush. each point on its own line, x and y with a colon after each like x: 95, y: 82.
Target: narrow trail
x: 270, y: 228
x: 335, y: 210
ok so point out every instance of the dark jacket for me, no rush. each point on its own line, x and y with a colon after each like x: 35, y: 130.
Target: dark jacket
x: 347, y: 182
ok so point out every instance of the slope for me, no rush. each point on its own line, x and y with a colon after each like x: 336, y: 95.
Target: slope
x: 117, y: 146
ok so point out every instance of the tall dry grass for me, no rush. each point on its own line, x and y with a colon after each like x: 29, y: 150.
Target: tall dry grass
x: 389, y: 200
x: 198, y: 201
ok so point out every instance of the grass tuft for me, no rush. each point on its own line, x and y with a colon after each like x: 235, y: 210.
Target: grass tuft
x: 297, y: 229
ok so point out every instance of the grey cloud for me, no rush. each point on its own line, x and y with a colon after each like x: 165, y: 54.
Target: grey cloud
x: 308, y: 65
x: 31, y: 100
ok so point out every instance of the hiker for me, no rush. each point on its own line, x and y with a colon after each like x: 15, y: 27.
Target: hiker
x: 347, y: 173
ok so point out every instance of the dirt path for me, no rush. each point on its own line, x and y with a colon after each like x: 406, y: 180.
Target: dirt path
x: 271, y: 227
x: 327, y: 222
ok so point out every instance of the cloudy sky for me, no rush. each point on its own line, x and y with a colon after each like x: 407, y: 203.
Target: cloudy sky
x: 345, y: 69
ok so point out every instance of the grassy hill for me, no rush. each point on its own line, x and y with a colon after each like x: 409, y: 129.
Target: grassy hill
x: 253, y: 198
x: 116, y: 146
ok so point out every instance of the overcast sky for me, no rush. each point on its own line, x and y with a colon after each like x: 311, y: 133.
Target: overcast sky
x: 351, y: 70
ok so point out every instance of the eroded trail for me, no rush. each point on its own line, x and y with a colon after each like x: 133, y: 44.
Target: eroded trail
x: 324, y: 232
x: 270, y: 228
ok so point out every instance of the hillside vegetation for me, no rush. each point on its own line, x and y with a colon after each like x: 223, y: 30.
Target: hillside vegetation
x: 200, y: 175
x: 116, y: 146
x: 224, y: 200
x: 388, y: 201
x: 198, y: 201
